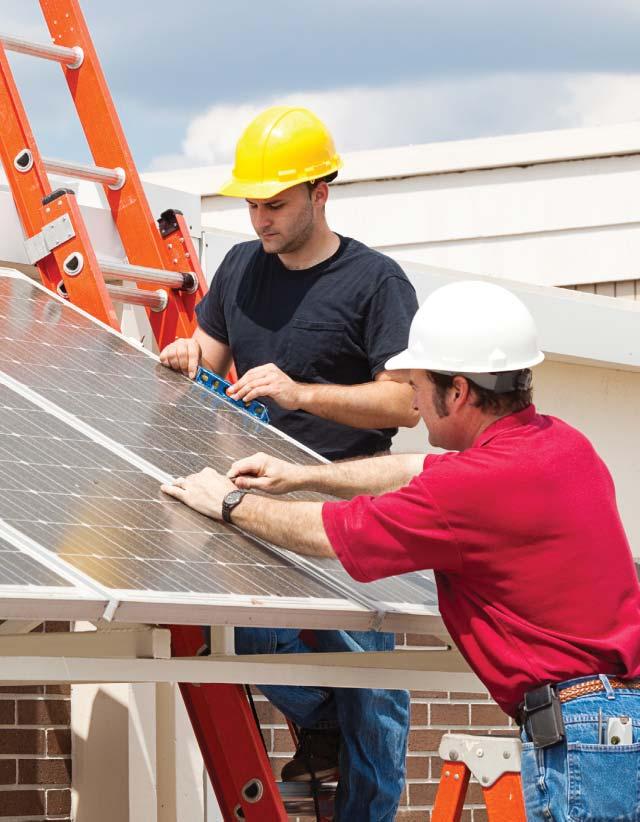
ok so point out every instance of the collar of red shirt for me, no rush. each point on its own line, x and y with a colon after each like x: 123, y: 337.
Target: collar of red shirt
x: 524, y: 417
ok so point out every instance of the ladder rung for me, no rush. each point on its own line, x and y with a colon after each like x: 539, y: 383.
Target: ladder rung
x: 184, y: 281
x: 297, y: 798
x: 155, y: 300
x: 71, y: 57
x: 113, y: 177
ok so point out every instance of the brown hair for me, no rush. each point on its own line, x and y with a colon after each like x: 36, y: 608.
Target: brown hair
x: 485, y: 399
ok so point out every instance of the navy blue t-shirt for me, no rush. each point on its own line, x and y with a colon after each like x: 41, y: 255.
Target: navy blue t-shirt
x: 337, y: 322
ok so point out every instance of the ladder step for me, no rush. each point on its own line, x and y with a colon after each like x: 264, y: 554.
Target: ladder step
x: 184, y: 281
x: 113, y: 177
x: 155, y: 300
x: 71, y: 57
x: 298, y: 799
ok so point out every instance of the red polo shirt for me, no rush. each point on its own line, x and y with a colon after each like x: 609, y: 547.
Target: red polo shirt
x: 535, y: 578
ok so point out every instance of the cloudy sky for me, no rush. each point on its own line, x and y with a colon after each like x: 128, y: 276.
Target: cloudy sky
x: 186, y: 77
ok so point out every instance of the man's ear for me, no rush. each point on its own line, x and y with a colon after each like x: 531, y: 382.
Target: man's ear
x: 320, y: 194
x: 460, y: 389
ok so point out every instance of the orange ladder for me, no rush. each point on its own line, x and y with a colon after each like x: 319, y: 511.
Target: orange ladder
x: 167, y: 279
x: 161, y: 259
x: 495, y: 762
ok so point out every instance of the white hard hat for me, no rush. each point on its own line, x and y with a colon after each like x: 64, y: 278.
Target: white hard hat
x: 471, y: 327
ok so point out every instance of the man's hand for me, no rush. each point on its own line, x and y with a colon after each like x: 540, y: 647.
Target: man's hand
x: 204, y: 492
x: 269, y: 381
x: 182, y: 355
x: 266, y: 473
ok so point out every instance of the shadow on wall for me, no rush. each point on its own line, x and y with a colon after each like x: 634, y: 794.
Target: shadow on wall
x: 101, y: 762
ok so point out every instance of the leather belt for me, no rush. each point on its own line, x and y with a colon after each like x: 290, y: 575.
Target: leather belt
x: 594, y: 686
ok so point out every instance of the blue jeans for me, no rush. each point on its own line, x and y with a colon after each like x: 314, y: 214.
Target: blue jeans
x: 579, y: 779
x: 374, y: 724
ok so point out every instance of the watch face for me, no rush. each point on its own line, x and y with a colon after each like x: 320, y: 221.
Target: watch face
x: 234, y: 497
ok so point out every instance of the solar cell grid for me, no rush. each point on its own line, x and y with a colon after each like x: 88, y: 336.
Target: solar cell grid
x: 18, y: 569
x: 110, y: 520
x: 106, y: 517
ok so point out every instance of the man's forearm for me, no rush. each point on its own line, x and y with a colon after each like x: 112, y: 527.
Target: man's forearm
x: 378, y: 404
x: 293, y: 525
x: 376, y: 475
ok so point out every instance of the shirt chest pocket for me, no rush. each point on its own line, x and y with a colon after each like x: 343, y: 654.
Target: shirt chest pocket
x: 314, y: 349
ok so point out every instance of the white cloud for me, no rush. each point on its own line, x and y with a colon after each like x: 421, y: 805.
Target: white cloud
x: 460, y: 108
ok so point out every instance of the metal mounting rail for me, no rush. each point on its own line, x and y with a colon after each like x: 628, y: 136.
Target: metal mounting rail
x: 113, y: 177
x: 70, y: 57
x: 184, y: 281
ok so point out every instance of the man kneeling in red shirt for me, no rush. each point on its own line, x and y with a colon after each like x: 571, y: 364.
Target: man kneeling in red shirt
x: 518, y: 519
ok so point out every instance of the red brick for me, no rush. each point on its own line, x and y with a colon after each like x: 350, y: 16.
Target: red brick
x: 424, y: 740
x: 429, y: 694
x: 422, y: 793
x: 44, y: 771
x: 467, y: 695
x: 21, y: 803
x: 401, y: 639
x: 44, y: 712
x: 21, y: 741
x: 268, y: 714
x: 8, y: 771
x: 277, y: 764
x: 63, y: 689
x: 412, y: 816
x: 488, y: 715
x: 59, y: 742
x: 480, y: 815
x: 436, y: 767
x: 417, y: 767
x: 7, y: 712
x: 21, y: 689
x: 447, y: 715
x: 282, y: 741
x: 419, y: 713
x: 58, y: 802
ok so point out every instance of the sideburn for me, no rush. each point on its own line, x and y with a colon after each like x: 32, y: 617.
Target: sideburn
x: 439, y: 400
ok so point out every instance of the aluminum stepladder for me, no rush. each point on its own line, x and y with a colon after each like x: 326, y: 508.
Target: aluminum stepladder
x: 495, y: 762
x: 59, y: 244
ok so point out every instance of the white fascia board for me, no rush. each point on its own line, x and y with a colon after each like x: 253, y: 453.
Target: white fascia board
x: 270, y: 612
x: 444, y: 157
x: 574, y: 327
x: 399, y: 669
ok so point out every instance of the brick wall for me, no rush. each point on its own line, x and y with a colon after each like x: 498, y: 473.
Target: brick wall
x: 432, y: 714
x: 35, y: 750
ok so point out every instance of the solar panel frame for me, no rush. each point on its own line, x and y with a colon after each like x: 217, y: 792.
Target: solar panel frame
x: 354, y: 605
x: 63, y: 596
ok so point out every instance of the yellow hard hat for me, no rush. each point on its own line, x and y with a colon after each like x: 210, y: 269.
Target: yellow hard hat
x: 281, y: 147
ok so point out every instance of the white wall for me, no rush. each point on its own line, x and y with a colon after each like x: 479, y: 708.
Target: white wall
x: 554, y: 223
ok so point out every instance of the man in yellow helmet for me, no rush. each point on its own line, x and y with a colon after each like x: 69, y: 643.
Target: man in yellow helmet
x: 309, y: 318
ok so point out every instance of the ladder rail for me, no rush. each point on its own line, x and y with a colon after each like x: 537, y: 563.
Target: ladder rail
x: 143, y: 243
x: 37, y: 206
x: 495, y: 762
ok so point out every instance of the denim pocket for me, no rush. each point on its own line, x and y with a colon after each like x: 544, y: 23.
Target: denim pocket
x: 604, y: 782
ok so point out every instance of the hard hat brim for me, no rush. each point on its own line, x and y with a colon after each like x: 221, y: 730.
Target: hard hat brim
x: 253, y: 190
x: 406, y: 360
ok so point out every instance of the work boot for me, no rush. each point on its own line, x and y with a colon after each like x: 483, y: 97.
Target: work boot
x: 316, y: 757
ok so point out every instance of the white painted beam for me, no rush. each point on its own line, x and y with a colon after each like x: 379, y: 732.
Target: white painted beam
x: 430, y: 670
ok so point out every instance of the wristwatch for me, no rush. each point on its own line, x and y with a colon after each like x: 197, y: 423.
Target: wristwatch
x: 232, y: 499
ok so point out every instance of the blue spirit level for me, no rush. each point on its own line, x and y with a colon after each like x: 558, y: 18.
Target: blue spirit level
x: 218, y: 385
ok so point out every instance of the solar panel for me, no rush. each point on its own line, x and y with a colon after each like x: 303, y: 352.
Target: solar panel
x: 91, y: 424
x: 31, y: 588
